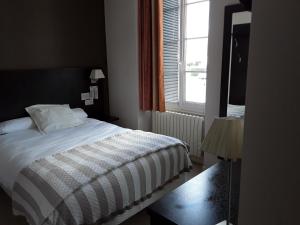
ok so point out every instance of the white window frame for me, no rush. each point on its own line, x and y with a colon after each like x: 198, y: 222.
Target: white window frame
x: 182, y: 105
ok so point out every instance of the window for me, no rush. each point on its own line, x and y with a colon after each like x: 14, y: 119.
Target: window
x: 185, y: 54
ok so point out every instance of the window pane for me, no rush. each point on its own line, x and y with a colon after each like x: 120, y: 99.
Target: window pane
x: 197, y: 19
x: 195, y: 87
x: 196, y: 55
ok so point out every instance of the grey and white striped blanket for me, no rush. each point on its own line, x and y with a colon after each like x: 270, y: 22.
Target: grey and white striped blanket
x: 91, y: 183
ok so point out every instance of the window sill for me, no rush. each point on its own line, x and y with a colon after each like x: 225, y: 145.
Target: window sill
x: 195, y: 109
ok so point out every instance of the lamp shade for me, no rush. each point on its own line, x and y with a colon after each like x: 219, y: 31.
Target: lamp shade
x: 97, y: 74
x: 225, y: 138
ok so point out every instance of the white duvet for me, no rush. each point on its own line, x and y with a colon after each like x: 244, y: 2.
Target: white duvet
x: 19, y: 149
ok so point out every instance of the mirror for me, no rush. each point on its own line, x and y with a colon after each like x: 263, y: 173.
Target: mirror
x: 235, y: 61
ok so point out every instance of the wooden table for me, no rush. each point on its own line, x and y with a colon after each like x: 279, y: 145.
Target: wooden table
x: 200, y: 201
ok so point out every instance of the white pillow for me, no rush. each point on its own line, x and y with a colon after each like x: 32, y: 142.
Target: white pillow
x: 45, y: 106
x: 53, y: 117
x: 16, y: 125
x: 80, y: 113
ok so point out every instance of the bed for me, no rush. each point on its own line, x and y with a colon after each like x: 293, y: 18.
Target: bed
x: 56, y: 178
x: 137, y: 178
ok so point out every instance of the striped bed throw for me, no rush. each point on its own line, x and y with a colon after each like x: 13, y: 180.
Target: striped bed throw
x: 94, y: 182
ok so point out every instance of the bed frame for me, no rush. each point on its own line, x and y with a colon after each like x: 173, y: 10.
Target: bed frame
x: 142, y: 205
x: 22, y: 88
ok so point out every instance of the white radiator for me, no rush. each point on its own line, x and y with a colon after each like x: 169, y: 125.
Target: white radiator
x: 185, y: 127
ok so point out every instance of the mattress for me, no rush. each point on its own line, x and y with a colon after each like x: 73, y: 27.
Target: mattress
x: 102, y: 197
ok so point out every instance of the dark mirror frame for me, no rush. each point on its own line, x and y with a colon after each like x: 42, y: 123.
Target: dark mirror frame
x: 229, y: 10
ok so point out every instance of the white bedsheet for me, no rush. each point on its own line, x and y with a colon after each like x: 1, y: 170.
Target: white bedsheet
x: 19, y: 149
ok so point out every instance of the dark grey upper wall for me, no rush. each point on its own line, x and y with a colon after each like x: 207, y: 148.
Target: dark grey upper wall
x: 52, y: 34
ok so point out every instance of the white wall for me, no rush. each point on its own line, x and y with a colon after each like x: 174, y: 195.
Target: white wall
x: 215, y: 50
x: 122, y: 58
x: 123, y: 67
x: 270, y: 186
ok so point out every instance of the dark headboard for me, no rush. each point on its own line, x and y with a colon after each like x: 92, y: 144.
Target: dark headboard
x: 22, y: 88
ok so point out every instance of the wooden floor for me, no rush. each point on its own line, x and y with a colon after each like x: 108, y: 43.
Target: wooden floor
x: 7, y: 218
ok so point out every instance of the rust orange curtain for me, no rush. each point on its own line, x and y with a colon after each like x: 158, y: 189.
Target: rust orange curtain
x: 151, y: 55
